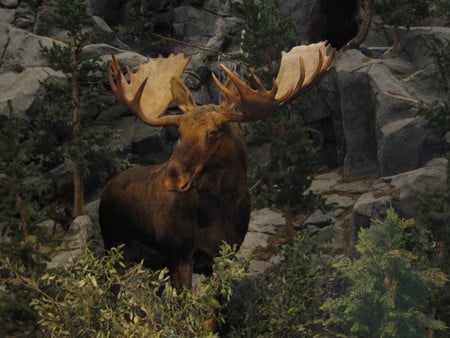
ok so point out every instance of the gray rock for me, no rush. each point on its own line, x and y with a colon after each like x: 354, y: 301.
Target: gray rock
x: 330, y: 238
x: 6, y: 18
x: 339, y: 201
x: 256, y: 267
x: 100, y: 50
x: 25, y: 15
x: 358, y: 120
x: 254, y: 239
x: 104, y: 33
x: 9, y: 3
x: 45, y: 26
x: 24, y: 50
x: 357, y: 187
x: 409, y: 184
x: 299, y: 11
x: 368, y: 207
x: 411, y: 42
x: 378, y: 102
x: 80, y: 236
x: 194, y: 24
x: 125, y: 128
x: 324, y: 182
x: 317, y: 219
x: 399, y: 146
x: 146, y: 139
x: 132, y: 59
x: 424, y: 85
x: 265, y: 221
x: 24, y: 89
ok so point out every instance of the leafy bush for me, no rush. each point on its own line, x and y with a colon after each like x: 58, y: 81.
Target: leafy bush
x: 284, y: 302
x: 21, y: 239
x: 391, y: 286
x: 403, y: 12
x: 433, y: 214
x: 98, y: 297
x: 437, y: 115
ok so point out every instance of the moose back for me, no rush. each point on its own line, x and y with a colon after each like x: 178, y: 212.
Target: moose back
x: 177, y: 214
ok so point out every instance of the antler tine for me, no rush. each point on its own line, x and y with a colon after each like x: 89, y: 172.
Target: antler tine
x: 225, y: 91
x: 248, y: 100
x: 147, y: 92
x: 299, y: 68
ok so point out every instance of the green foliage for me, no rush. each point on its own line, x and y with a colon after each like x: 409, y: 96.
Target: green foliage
x: 64, y: 132
x: 292, y: 158
x: 139, y: 24
x: 437, y: 115
x: 403, y: 12
x: 282, y: 181
x: 20, y: 237
x: 441, y: 8
x: 284, y: 302
x: 433, y: 214
x: 99, y: 297
x: 266, y: 34
x: 70, y: 15
x: 390, y: 286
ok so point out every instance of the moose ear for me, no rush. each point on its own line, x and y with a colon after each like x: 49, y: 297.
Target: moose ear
x: 182, y: 95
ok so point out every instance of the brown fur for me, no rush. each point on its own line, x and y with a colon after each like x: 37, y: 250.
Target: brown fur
x: 177, y: 214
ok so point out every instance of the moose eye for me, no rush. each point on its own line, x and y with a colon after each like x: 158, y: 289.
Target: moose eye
x: 213, y: 135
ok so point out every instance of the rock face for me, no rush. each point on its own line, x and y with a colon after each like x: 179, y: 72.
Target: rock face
x: 364, y: 106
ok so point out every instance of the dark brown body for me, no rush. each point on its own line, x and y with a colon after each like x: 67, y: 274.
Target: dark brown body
x: 181, y: 230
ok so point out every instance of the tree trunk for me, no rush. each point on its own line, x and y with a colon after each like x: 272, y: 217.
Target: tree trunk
x: 23, y: 217
x: 283, y: 166
x: 364, y: 28
x: 289, y: 219
x: 78, y: 182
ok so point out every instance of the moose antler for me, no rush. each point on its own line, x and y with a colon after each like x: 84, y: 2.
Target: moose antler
x: 299, y: 68
x: 148, y: 92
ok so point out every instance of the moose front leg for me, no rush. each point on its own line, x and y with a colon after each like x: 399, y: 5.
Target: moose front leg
x: 181, y: 274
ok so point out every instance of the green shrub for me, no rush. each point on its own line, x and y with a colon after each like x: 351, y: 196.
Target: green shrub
x: 98, y: 297
x: 391, y: 287
x: 284, y: 302
x: 21, y: 239
x: 403, y: 12
x: 433, y: 215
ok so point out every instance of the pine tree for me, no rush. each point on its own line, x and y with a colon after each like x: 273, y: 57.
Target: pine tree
x: 433, y: 207
x: 89, y: 148
x: 139, y: 25
x: 20, y: 238
x: 282, y: 181
x: 391, y: 286
x: 406, y: 13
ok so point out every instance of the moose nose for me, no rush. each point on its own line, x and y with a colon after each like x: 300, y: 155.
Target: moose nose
x: 176, y: 179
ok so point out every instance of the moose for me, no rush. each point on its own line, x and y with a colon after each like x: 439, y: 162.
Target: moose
x: 177, y: 214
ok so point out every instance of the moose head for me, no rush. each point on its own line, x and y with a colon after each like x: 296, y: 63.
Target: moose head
x: 177, y: 214
x: 157, y: 83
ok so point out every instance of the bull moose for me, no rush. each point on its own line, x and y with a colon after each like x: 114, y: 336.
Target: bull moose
x: 177, y: 214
